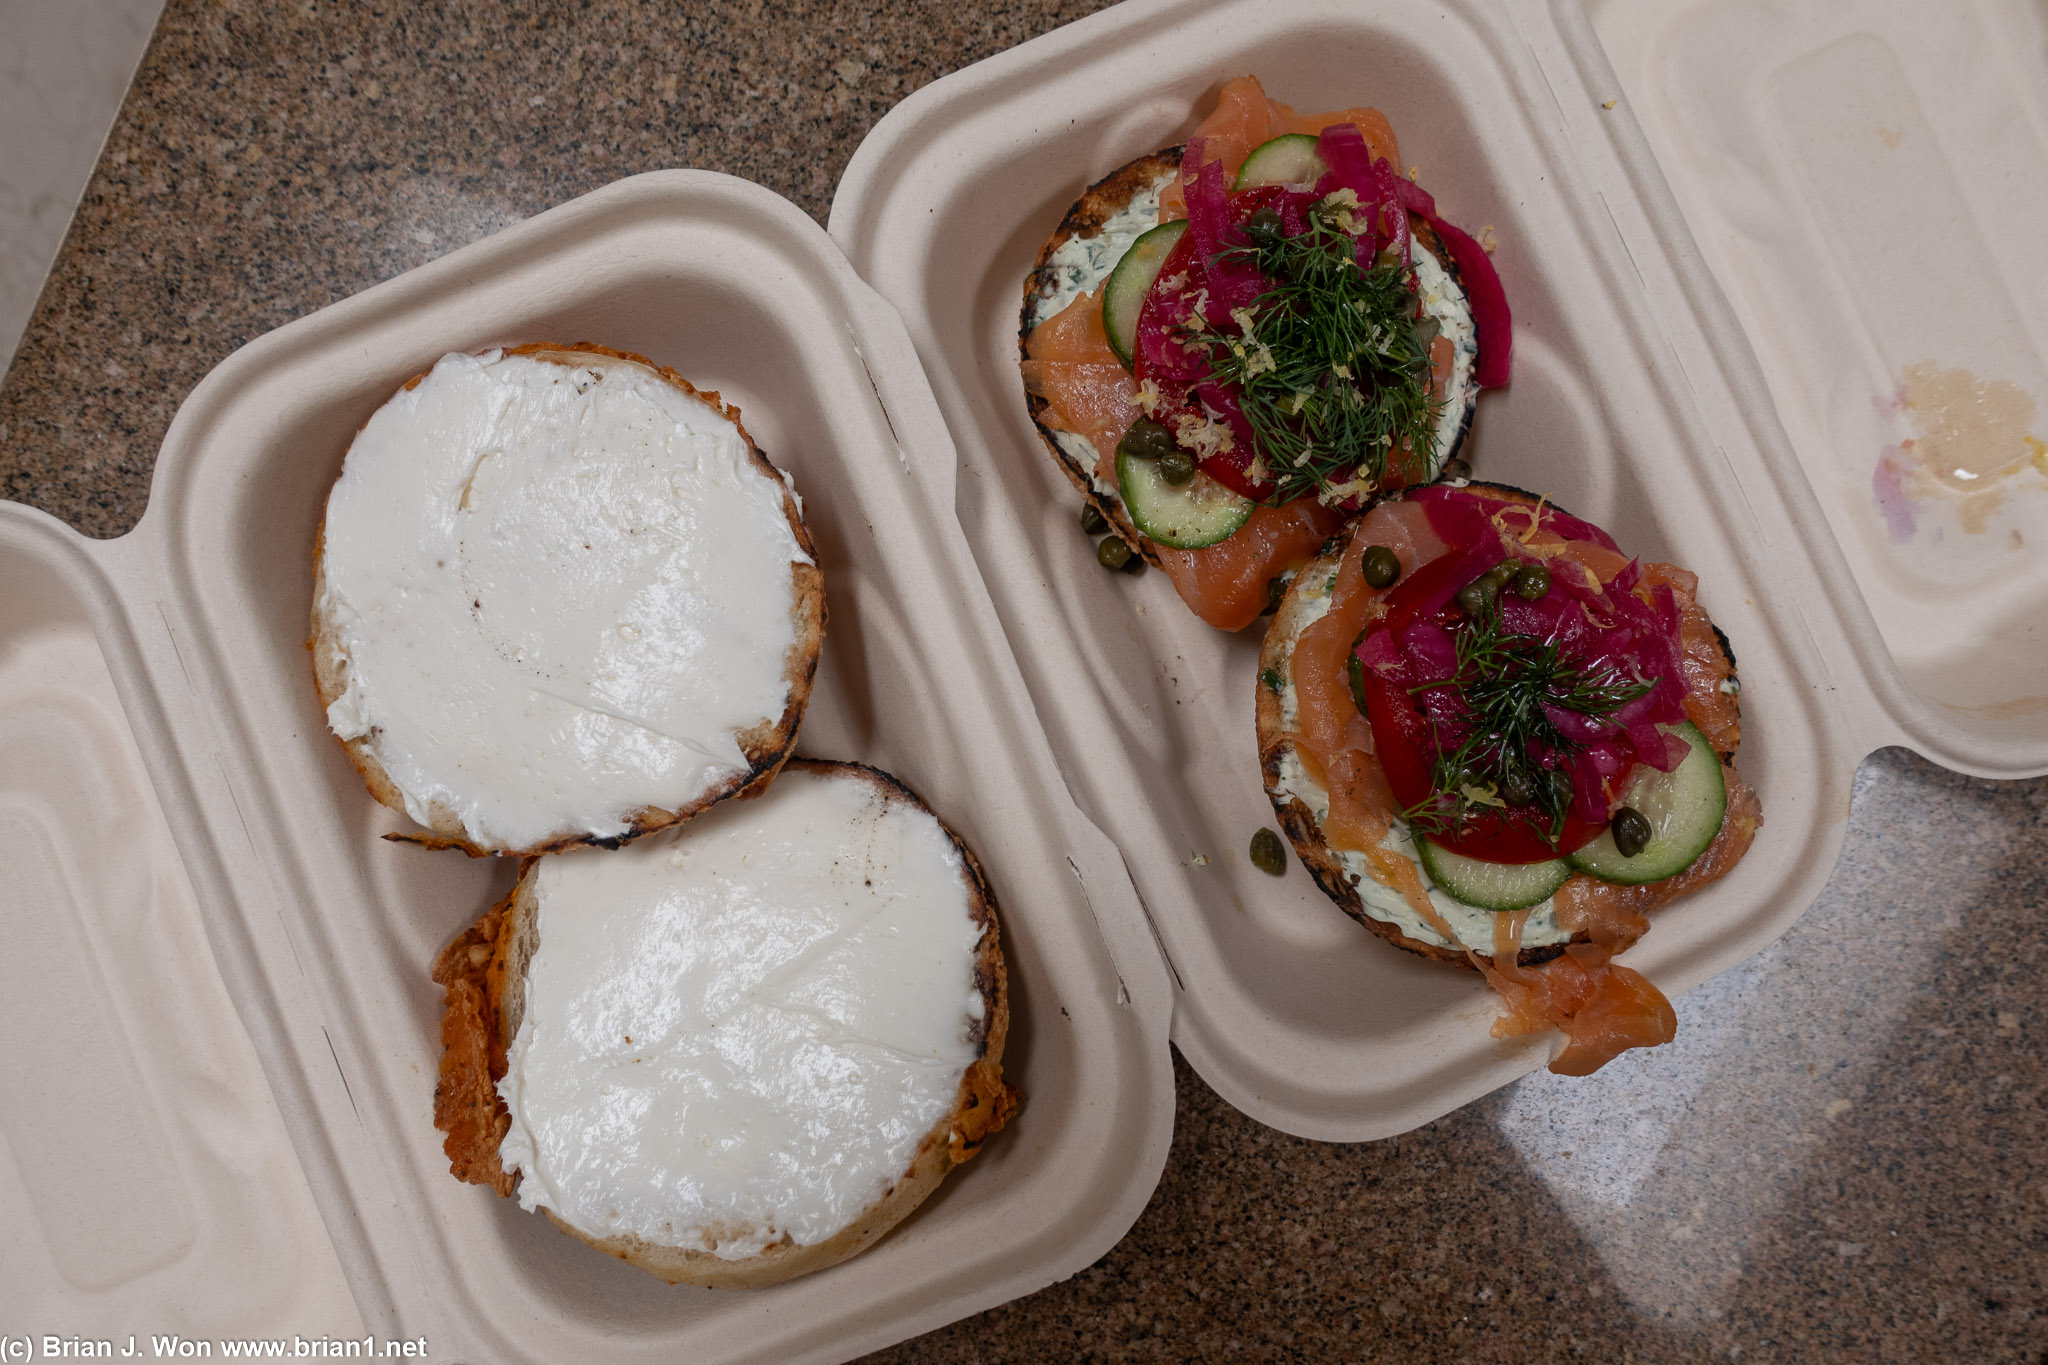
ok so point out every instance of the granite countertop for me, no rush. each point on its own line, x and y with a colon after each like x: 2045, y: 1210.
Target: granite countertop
x: 1841, y: 1157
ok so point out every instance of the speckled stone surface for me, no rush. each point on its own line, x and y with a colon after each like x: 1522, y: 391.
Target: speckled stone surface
x: 1843, y: 1156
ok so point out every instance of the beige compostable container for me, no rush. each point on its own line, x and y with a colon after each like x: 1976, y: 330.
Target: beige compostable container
x: 1635, y: 402
x: 324, y: 932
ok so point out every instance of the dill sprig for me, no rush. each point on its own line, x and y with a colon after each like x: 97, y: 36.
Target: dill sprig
x: 1332, y: 366
x: 1511, y: 758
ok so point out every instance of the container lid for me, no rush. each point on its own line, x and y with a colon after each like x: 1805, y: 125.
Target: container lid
x: 149, y: 1184
x: 1865, y: 183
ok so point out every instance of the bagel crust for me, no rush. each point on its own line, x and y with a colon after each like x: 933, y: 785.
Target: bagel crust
x: 483, y: 972
x: 1276, y: 743
x: 765, y: 746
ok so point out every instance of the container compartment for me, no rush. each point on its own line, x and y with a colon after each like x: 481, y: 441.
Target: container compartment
x: 1285, y: 1006
x: 741, y: 293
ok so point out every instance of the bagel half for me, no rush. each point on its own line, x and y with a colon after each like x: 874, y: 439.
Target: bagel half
x: 485, y: 975
x: 758, y: 745
x: 1301, y: 804
x: 1079, y: 256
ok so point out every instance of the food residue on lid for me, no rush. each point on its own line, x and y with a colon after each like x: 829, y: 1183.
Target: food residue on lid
x: 1972, y: 435
x: 1972, y: 431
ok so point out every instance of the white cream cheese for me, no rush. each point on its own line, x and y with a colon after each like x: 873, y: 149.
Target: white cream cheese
x: 1473, y: 925
x: 740, y: 1030
x: 558, y: 593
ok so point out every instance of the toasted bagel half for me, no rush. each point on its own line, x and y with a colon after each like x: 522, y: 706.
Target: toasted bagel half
x: 1079, y: 256
x: 1301, y: 803
x: 824, y: 959
x: 560, y: 597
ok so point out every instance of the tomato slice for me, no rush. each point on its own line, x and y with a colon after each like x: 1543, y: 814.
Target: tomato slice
x: 1402, y: 739
x: 1400, y: 736
x: 1406, y: 602
x: 1498, y: 838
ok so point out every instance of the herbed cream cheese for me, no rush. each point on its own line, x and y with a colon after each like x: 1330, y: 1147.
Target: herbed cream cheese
x: 557, y: 593
x: 1473, y: 925
x: 740, y: 1030
x: 1081, y: 263
x: 1443, y: 298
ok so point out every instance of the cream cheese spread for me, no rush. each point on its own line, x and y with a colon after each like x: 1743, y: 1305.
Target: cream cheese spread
x: 1473, y: 925
x: 1081, y: 263
x: 740, y: 1030
x: 1443, y: 298
x: 558, y: 593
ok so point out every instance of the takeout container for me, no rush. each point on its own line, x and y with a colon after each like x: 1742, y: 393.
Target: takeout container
x: 1635, y: 402
x: 324, y: 932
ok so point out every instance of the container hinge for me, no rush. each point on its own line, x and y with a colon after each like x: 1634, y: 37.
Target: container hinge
x: 902, y: 456
x: 346, y: 1089
x: 177, y: 650
x: 1123, y: 994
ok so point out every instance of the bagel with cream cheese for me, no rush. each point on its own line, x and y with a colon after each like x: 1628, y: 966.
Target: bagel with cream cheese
x: 1380, y: 710
x: 738, y: 1051
x: 561, y: 597
x: 1212, y: 304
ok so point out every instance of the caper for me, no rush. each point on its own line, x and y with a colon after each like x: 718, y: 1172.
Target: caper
x: 1176, y: 466
x: 1561, y: 786
x: 1269, y: 855
x: 1518, y: 787
x: 1147, y: 439
x: 1112, y: 553
x: 1532, y: 582
x: 1264, y: 227
x: 1477, y: 597
x: 1456, y: 471
x: 1380, y: 565
x: 1092, y: 520
x: 1427, y: 329
x: 1631, y: 831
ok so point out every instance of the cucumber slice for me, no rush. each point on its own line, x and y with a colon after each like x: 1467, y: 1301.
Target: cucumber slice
x: 1131, y: 281
x: 1185, y: 516
x: 1684, y: 807
x: 1491, y: 886
x: 1290, y: 159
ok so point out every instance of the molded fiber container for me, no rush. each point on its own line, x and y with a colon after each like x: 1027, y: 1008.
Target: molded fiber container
x: 159, y: 683
x: 1635, y: 402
